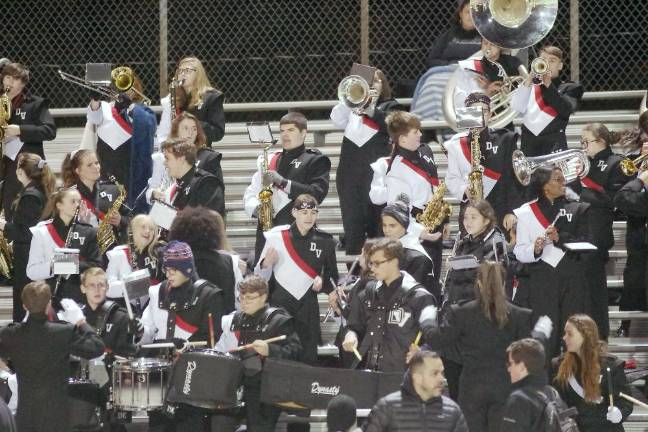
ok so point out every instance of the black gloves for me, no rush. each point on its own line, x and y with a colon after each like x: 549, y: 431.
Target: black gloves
x: 122, y: 102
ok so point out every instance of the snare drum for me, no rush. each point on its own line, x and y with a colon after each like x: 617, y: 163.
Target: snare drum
x: 140, y: 384
x: 206, y: 378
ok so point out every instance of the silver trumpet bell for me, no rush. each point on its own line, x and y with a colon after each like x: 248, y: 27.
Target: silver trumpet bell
x: 354, y: 91
x: 573, y: 163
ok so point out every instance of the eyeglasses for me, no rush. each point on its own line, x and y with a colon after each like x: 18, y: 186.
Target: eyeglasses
x: 249, y: 297
x: 585, y: 142
x: 374, y: 264
x: 95, y: 287
x: 185, y: 71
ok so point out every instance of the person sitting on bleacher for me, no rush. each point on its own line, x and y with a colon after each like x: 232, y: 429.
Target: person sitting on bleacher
x: 460, y: 41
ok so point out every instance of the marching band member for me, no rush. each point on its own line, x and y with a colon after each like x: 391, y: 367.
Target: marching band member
x: 496, y: 146
x: 546, y: 106
x: 81, y: 169
x: 38, y: 184
x: 195, y: 95
x: 486, y: 243
x: 480, y: 74
x: 389, y: 312
x: 482, y: 329
x: 125, y: 136
x: 256, y: 321
x: 193, y: 186
x: 412, y: 172
x: 415, y: 262
x: 590, y: 379
x: 632, y: 200
x: 62, y: 231
x: 597, y: 189
x: 178, y: 311
x: 141, y: 252
x: 39, y: 352
x: 556, y: 285
x: 186, y: 127
x: 292, y: 171
x: 365, y: 140
x: 203, y: 230
x: 299, y: 261
x: 30, y: 124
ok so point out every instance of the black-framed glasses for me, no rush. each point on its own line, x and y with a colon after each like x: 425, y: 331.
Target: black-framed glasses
x: 585, y: 142
x: 374, y: 264
x: 249, y: 297
x: 186, y: 70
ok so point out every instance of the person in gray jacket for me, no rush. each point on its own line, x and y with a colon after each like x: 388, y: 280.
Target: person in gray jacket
x: 419, y: 405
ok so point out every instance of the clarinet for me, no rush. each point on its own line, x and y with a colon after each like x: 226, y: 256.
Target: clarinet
x: 133, y: 264
x: 68, y: 240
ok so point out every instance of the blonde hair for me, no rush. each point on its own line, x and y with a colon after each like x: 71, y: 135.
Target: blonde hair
x: 201, y: 85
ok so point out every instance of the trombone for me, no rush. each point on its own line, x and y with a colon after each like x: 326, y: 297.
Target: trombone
x: 123, y: 78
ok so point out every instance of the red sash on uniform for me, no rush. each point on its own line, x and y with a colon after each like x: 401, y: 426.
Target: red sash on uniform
x: 173, y: 191
x: 285, y: 236
x: 421, y: 172
x: 55, y: 236
x: 591, y: 184
x: 272, y: 165
x: 465, y: 148
x: 121, y: 122
x: 541, y: 103
x: 370, y: 123
x: 93, y: 209
x: 538, y: 214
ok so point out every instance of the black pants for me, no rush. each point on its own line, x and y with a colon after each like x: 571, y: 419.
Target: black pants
x: 635, y: 282
x: 482, y: 396
x: 452, y: 371
x: 597, y: 281
x: 359, y: 217
x: 19, y: 278
x: 185, y: 419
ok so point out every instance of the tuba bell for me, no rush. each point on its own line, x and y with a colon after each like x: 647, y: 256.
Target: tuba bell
x: 573, y: 164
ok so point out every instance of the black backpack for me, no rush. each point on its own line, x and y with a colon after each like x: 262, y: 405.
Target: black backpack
x: 556, y: 416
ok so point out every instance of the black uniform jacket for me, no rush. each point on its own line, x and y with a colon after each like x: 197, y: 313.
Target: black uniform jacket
x: 210, y: 161
x: 100, y: 200
x: 217, y: 267
x: 563, y: 97
x: 211, y: 114
x: 632, y: 199
x: 199, y: 188
x: 405, y: 411
x: 418, y: 265
x: 110, y: 321
x: 524, y: 409
x: 592, y: 416
x: 27, y: 212
x: 389, y: 316
x: 572, y: 225
x: 36, y: 123
x: 266, y: 323
x: 423, y: 160
x: 39, y: 352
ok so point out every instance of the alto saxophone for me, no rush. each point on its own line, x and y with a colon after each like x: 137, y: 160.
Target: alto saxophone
x: 266, y: 211
x: 173, y: 96
x: 6, y: 256
x: 475, y: 190
x: 105, y: 234
x: 437, y: 210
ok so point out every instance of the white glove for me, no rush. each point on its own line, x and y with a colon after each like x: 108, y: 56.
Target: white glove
x: 544, y: 326
x: 73, y: 313
x: 614, y: 415
x: 428, y: 313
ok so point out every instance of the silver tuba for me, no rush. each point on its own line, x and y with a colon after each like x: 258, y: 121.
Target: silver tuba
x: 573, y: 163
x: 355, y: 92
x: 509, y: 24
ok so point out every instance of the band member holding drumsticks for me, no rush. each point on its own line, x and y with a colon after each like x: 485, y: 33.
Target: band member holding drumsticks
x: 251, y: 326
x: 389, y: 312
x: 39, y: 352
x: 194, y: 94
x: 299, y: 261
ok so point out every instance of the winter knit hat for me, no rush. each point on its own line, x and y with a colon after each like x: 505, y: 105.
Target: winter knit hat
x: 340, y: 413
x: 178, y: 255
x: 399, y: 210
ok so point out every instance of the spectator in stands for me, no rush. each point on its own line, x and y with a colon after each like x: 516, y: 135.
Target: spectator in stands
x: 29, y: 125
x: 459, y: 42
x: 202, y: 230
x: 546, y: 106
x: 38, y: 183
x: 341, y: 414
x: 584, y: 375
x: 195, y: 95
x: 632, y: 201
x: 419, y: 405
x: 365, y: 140
x: 481, y: 330
x: 525, y: 407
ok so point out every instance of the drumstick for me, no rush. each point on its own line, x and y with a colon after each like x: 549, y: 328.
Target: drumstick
x: 418, y: 338
x: 128, y: 305
x: 248, y: 346
x: 610, y: 388
x: 211, y: 330
x: 633, y: 400
x: 172, y: 345
x: 357, y: 354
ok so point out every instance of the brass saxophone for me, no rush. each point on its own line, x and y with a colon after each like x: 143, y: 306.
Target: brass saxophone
x: 6, y: 256
x: 437, y: 210
x: 475, y: 190
x: 173, y: 96
x: 105, y: 234
x: 5, y: 113
x: 266, y: 211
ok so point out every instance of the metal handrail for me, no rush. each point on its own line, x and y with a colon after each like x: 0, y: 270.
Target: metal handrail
x: 324, y: 104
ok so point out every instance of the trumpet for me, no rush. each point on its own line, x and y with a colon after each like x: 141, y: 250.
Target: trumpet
x: 539, y: 67
x: 123, y: 79
x: 631, y: 167
x: 355, y: 92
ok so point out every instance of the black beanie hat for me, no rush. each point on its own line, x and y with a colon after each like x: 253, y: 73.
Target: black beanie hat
x: 399, y: 210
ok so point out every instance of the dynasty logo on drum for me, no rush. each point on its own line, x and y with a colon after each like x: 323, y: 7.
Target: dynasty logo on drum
x: 318, y: 389
x: 191, y: 366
